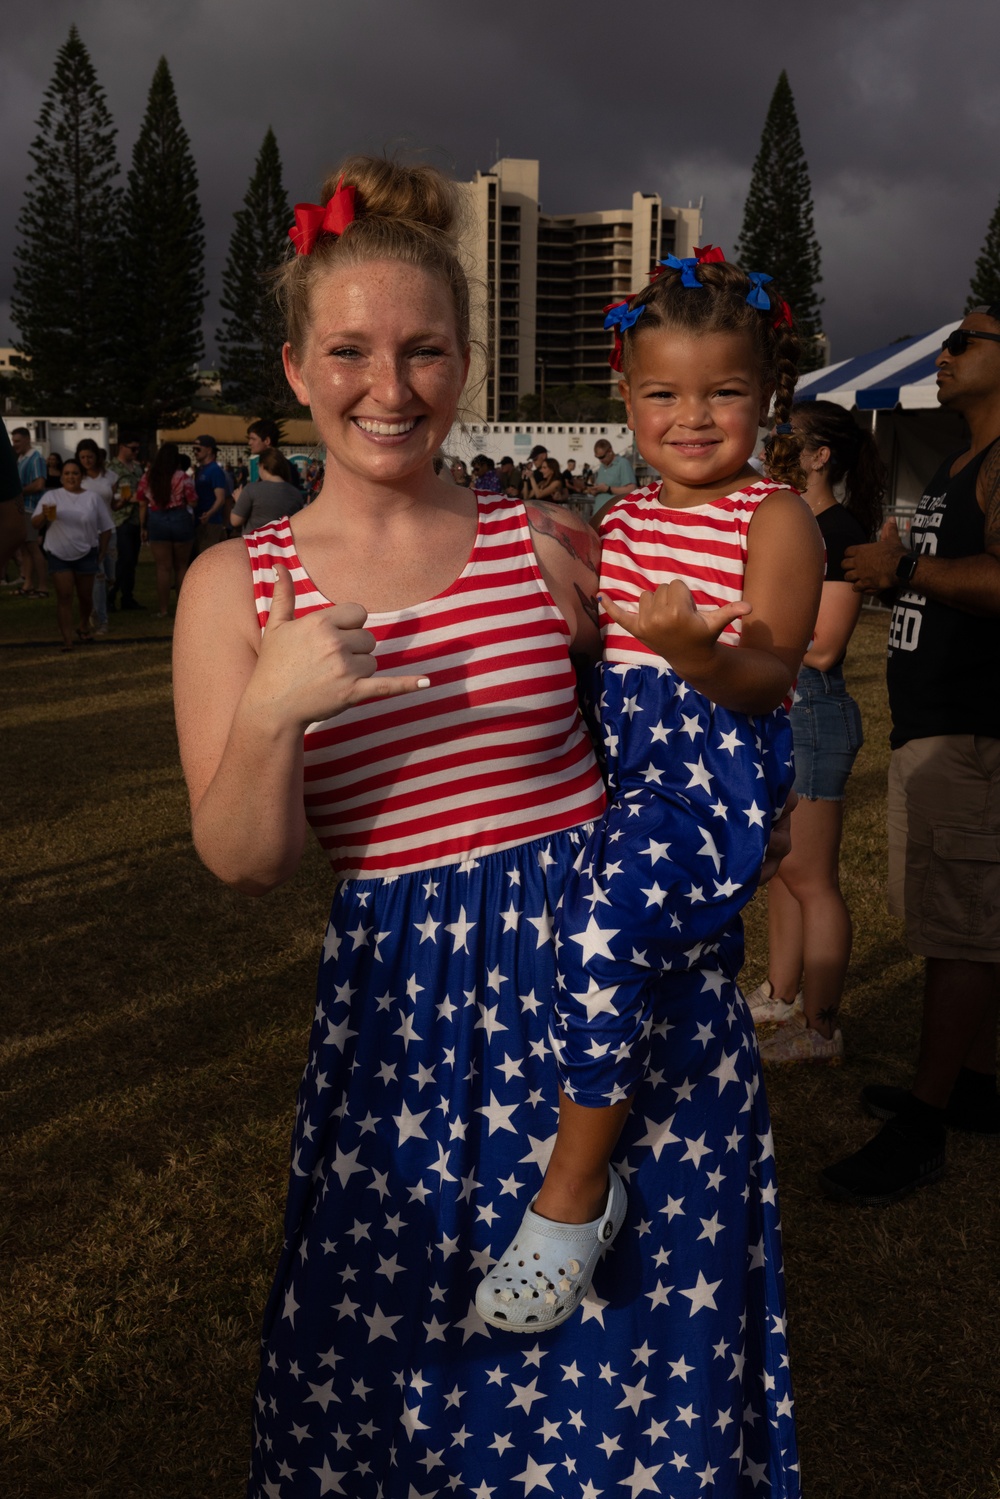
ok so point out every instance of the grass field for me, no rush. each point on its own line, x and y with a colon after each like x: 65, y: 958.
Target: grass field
x: 154, y: 1028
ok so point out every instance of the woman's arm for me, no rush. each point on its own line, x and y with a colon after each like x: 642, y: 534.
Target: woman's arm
x: 781, y: 593
x: 103, y: 542
x: 569, y: 555
x: 838, y: 614
x: 243, y: 702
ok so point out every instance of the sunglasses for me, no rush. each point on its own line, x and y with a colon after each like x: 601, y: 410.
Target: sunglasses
x: 958, y: 342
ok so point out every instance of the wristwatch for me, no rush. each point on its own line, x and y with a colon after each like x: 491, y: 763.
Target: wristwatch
x: 907, y: 566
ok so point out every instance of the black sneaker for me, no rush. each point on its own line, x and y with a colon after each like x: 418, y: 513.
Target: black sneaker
x: 972, y: 1116
x: 892, y: 1165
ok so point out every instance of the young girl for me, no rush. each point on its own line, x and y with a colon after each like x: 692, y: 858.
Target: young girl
x: 710, y: 583
x: 809, y: 925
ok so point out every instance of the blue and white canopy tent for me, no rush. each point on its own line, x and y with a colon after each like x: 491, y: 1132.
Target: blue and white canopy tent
x: 893, y: 391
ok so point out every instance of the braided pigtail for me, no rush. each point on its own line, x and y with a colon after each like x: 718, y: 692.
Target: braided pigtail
x: 784, y: 447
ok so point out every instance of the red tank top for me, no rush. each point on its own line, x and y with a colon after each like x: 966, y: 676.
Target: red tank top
x: 492, y: 754
x: 645, y: 544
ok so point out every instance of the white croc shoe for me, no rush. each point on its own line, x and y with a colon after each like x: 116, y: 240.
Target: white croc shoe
x: 543, y: 1276
x: 767, y: 1009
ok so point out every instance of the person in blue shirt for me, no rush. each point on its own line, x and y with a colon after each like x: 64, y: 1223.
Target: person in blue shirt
x: 210, y: 487
x: 31, y: 473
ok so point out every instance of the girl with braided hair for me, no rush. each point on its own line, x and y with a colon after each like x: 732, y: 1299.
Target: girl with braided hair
x: 710, y: 582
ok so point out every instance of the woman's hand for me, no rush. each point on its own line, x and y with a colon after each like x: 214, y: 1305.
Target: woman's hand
x: 312, y: 668
x: 669, y: 622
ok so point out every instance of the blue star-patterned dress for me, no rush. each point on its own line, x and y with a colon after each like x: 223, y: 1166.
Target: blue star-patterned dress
x: 424, y: 1120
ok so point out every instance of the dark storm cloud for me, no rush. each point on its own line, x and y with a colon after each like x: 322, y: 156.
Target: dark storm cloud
x: 898, y: 104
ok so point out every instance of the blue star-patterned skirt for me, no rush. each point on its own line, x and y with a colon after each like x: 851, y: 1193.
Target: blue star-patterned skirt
x: 424, y: 1119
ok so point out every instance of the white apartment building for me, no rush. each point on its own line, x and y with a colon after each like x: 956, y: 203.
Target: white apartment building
x: 540, y: 282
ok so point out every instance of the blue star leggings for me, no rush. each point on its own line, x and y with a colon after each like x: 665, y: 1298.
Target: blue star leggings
x: 651, y: 913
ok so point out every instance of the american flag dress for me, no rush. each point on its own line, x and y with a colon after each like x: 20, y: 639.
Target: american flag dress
x: 427, y: 1111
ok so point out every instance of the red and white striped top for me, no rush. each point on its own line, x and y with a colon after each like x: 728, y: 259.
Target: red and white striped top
x: 492, y: 754
x: 646, y: 544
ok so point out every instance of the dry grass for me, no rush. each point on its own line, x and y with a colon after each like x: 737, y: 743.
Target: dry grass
x: 154, y: 1029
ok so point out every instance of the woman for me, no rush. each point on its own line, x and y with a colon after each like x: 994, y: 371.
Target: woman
x: 809, y: 925
x: 436, y: 746
x: 545, y: 482
x: 166, y: 520
x: 272, y: 496
x: 53, y: 471
x: 460, y: 473
x: 96, y: 479
x: 78, y: 529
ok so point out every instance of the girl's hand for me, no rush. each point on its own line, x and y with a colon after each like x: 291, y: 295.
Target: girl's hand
x: 669, y: 622
x: 312, y: 668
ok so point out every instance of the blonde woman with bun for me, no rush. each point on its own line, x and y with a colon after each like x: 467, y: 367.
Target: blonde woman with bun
x: 392, y: 666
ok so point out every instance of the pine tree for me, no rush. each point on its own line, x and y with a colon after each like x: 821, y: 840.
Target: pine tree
x: 164, y: 267
x: 251, y: 336
x: 777, y: 234
x: 984, y: 288
x: 66, y: 298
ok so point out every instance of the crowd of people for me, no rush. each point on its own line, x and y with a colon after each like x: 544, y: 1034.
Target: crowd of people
x: 529, y: 1044
x: 586, y: 492
x: 86, y: 518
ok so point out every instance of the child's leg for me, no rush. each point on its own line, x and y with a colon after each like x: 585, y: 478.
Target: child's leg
x: 575, y: 1189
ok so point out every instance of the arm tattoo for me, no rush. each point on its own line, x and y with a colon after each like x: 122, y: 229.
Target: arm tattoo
x: 581, y: 544
x: 989, y: 489
x: 588, y: 603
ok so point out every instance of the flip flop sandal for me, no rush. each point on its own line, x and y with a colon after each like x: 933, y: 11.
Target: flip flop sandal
x: 543, y: 1276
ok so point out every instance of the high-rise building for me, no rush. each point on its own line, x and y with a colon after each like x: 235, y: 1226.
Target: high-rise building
x: 540, y: 282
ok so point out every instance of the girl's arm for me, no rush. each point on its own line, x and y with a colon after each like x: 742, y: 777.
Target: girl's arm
x: 781, y: 593
x: 838, y: 614
x: 243, y: 702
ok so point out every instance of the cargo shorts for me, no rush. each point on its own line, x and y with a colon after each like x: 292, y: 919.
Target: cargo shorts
x: 944, y: 845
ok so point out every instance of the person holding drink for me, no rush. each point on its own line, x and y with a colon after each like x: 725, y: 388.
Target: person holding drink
x: 78, y: 528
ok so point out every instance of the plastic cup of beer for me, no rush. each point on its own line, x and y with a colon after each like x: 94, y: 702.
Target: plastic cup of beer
x: 49, y: 511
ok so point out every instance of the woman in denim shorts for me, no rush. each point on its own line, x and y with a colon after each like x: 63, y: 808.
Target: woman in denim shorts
x: 809, y: 925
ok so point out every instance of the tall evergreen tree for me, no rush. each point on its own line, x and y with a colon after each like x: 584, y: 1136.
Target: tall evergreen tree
x: 984, y: 288
x: 164, y: 267
x: 777, y: 234
x: 65, y: 300
x: 251, y: 336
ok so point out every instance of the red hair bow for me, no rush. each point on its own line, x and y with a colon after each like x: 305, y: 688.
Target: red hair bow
x: 785, y: 316
x: 314, y: 219
x: 707, y: 254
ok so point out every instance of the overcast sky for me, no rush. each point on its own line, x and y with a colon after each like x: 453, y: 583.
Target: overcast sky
x: 898, y: 103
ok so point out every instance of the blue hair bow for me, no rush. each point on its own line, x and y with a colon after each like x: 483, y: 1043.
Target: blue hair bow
x: 757, y: 296
x: 621, y: 316
x: 686, y: 268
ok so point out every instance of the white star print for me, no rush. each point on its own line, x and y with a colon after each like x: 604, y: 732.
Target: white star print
x: 427, y: 929
x: 460, y: 930
x: 498, y: 1115
x: 409, y: 1125
x: 642, y: 1479
x: 329, y: 1480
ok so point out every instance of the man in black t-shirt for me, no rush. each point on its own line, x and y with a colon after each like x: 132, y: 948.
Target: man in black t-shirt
x: 944, y: 781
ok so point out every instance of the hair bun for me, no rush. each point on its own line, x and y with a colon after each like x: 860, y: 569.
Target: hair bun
x: 387, y: 190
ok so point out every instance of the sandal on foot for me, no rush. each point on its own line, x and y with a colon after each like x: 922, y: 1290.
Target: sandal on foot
x: 542, y: 1278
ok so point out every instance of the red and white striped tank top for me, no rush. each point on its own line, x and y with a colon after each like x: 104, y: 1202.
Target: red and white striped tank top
x: 492, y: 754
x: 645, y: 544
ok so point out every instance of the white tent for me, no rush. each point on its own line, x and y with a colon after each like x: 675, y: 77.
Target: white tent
x: 893, y: 391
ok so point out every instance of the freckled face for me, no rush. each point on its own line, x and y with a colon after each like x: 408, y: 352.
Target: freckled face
x: 381, y: 368
x: 695, y: 402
